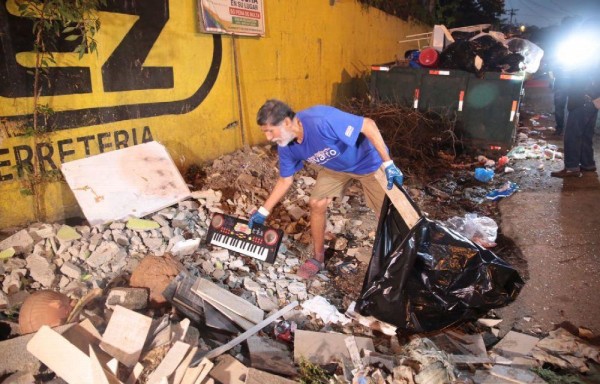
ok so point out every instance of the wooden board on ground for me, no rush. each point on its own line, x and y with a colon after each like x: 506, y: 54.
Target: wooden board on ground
x: 62, y: 357
x: 125, y: 335
x: 399, y: 200
x: 229, y: 370
x: 182, y: 368
x: 270, y: 355
x: 255, y: 376
x: 198, y: 373
x: 84, y: 335
x: 169, y: 363
x: 323, y: 348
x: 515, y: 344
x: 214, y: 294
x: 129, y: 182
x: 516, y: 375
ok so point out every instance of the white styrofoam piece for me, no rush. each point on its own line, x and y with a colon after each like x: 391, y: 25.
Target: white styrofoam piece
x: 129, y: 182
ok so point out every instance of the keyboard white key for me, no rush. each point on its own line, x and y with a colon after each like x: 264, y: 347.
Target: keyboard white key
x: 241, y: 246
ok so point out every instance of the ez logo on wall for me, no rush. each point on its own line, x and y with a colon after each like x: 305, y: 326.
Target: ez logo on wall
x: 150, y: 63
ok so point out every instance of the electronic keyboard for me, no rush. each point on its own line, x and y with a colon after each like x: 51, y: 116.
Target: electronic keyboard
x: 260, y: 242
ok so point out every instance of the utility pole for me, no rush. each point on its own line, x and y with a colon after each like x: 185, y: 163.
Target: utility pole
x: 511, y: 12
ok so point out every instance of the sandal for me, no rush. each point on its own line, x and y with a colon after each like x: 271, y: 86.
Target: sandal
x: 310, y: 268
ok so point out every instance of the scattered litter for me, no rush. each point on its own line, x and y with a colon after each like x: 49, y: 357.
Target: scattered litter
x: 479, y: 229
x: 319, y: 306
x: 504, y: 191
x: 484, y: 174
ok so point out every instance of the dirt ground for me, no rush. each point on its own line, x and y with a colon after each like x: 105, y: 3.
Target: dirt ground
x: 555, y: 225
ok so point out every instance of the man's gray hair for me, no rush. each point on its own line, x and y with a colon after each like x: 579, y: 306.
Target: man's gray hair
x: 274, y: 112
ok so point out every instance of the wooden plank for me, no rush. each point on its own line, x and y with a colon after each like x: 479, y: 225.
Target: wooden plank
x: 270, y: 355
x: 226, y: 347
x: 469, y: 359
x: 196, y: 375
x: 99, y: 377
x: 84, y: 335
x: 322, y: 348
x: 182, y: 368
x: 229, y: 370
x: 370, y: 321
x: 135, y: 374
x: 214, y: 294
x: 62, y: 357
x: 408, y: 213
x: 169, y: 363
x: 516, y: 375
x: 239, y: 320
x: 125, y: 335
x: 515, y: 344
x: 129, y: 182
x: 255, y: 376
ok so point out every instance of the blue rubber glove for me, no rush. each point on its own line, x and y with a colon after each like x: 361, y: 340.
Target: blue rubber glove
x: 258, y: 217
x: 393, y: 175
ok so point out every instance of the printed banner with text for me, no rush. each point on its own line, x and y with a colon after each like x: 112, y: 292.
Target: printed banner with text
x: 235, y: 17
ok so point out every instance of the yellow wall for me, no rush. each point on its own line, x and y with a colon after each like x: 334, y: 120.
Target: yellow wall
x: 313, y: 53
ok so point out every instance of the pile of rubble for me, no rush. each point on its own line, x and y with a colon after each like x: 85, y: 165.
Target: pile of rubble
x: 152, y: 302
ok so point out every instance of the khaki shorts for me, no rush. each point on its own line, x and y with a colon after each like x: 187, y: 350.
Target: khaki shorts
x: 332, y: 184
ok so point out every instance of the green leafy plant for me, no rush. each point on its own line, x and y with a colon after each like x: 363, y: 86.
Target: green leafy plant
x: 312, y: 373
x: 53, y: 20
x: 554, y: 378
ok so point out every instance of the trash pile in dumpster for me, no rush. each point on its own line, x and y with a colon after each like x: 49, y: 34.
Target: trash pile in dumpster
x: 476, y: 49
x: 147, y: 300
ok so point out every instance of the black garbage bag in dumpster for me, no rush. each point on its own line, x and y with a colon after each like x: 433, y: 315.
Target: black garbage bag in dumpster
x: 430, y: 277
x: 459, y: 55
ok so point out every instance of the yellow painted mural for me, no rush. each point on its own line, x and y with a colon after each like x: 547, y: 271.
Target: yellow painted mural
x: 155, y: 76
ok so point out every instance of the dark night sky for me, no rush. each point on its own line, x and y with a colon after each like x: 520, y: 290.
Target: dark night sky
x: 543, y: 13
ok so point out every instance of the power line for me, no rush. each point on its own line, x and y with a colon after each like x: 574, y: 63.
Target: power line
x: 511, y: 12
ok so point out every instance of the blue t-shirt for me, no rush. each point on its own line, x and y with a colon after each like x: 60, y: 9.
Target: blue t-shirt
x: 332, y: 139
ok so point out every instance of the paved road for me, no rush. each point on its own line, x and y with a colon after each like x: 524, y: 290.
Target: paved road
x: 556, y: 224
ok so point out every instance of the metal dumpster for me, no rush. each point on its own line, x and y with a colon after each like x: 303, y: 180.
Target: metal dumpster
x: 486, y: 109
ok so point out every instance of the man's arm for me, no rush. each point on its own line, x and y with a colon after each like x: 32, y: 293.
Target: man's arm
x: 280, y: 189
x: 371, y: 132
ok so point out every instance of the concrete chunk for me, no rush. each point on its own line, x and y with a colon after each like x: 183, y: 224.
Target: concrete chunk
x: 67, y: 233
x: 130, y: 298
x: 70, y: 270
x: 103, y: 254
x: 41, y: 270
x: 21, y: 241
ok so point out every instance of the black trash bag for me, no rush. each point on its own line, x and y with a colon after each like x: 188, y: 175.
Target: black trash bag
x: 459, y: 55
x: 511, y: 63
x: 492, y: 52
x: 430, y: 277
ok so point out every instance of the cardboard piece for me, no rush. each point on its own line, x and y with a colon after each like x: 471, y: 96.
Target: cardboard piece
x: 515, y: 344
x: 125, y: 335
x: 323, y: 348
x: 129, y: 182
